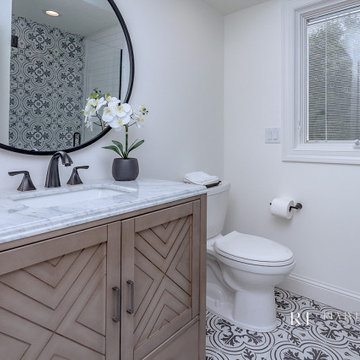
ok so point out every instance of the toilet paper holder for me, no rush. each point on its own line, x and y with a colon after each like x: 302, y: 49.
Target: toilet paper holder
x: 298, y: 206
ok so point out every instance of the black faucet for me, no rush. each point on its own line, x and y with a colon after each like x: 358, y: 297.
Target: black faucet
x: 26, y: 183
x: 52, y: 177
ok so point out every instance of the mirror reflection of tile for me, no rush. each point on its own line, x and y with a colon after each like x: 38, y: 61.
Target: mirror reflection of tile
x: 47, y: 83
x: 52, y: 73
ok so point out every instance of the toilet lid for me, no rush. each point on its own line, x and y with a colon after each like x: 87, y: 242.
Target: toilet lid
x: 253, y: 250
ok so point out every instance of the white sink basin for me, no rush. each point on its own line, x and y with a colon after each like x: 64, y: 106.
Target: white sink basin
x: 63, y: 197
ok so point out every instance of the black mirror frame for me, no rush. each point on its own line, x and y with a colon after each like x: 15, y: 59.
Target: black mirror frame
x: 127, y: 97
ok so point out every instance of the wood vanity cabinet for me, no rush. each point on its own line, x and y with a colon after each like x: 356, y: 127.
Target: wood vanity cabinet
x: 56, y: 297
x: 160, y: 280
x: 131, y: 287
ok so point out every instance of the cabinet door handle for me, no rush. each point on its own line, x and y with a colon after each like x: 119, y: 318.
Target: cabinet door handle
x: 116, y: 317
x: 132, y: 295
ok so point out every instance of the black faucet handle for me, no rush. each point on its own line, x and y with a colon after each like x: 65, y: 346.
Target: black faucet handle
x: 26, y: 183
x: 75, y: 178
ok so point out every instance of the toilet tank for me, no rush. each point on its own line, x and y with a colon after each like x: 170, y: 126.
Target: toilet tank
x: 217, y: 205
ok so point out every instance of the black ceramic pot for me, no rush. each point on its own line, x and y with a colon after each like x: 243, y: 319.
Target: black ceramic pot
x: 125, y: 169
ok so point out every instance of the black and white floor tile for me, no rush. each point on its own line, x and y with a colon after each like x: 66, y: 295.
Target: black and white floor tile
x: 321, y: 333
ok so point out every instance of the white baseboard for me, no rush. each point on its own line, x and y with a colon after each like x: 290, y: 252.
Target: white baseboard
x: 339, y: 298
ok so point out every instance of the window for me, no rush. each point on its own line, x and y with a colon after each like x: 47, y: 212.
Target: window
x: 333, y: 43
x: 322, y: 89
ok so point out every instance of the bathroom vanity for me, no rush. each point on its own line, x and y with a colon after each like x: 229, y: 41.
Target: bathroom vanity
x: 104, y: 272
x: 89, y: 272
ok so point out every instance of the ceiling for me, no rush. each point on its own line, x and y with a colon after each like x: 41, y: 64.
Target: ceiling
x: 85, y: 17
x: 228, y: 6
x: 82, y: 17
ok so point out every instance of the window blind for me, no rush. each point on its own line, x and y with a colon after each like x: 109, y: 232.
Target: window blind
x: 334, y: 77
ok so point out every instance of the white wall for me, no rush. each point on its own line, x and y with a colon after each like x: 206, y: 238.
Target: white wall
x: 178, y: 48
x: 325, y: 235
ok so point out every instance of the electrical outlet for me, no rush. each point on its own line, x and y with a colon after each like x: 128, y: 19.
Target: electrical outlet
x: 272, y: 136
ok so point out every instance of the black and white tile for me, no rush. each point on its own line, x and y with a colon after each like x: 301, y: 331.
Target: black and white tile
x: 321, y: 333
x: 46, y: 82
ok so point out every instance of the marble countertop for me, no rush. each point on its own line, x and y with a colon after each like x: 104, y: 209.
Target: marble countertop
x: 36, y: 212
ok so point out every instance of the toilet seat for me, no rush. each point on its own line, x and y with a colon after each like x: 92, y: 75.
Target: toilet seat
x: 253, y: 250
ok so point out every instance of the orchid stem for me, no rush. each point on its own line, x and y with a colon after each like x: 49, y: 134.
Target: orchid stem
x: 126, y: 139
x: 101, y: 122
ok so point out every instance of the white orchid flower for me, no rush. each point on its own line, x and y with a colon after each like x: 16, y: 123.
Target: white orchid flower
x: 122, y: 111
x: 91, y: 102
x: 90, y: 108
x: 89, y: 111
x: 116, y: 124
x: 112, y: 120
x: 108, y: 116
x: 113, y: 113
x: 139, y: 120
x: 100, y: 103
x: 89, y: 123
x: 110, y: 99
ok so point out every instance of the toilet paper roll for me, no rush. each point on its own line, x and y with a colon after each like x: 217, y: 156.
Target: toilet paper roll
x: 281, y: 207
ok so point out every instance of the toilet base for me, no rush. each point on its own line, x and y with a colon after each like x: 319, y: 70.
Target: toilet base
x: 219, y: 302
x: 256, y: 311
x: 246, y: 299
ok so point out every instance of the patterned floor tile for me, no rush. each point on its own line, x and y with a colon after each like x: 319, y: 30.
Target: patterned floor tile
x: 319, y: 333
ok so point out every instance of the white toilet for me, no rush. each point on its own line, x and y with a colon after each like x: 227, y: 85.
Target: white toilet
x: 242, y: 270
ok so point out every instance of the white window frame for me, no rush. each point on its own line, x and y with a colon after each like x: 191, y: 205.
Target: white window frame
x: 295, y: 148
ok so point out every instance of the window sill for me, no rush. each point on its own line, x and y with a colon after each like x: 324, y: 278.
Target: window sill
x: 323, y: 153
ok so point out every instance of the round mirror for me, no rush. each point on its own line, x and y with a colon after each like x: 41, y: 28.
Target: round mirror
x: 60, y: 53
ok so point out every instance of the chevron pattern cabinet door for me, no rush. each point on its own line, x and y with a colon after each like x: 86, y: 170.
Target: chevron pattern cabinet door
x: 164, y: 248
x: 56, y: 307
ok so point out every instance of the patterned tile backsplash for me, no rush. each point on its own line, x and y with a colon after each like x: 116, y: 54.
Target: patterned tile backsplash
x: 46, y: 86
